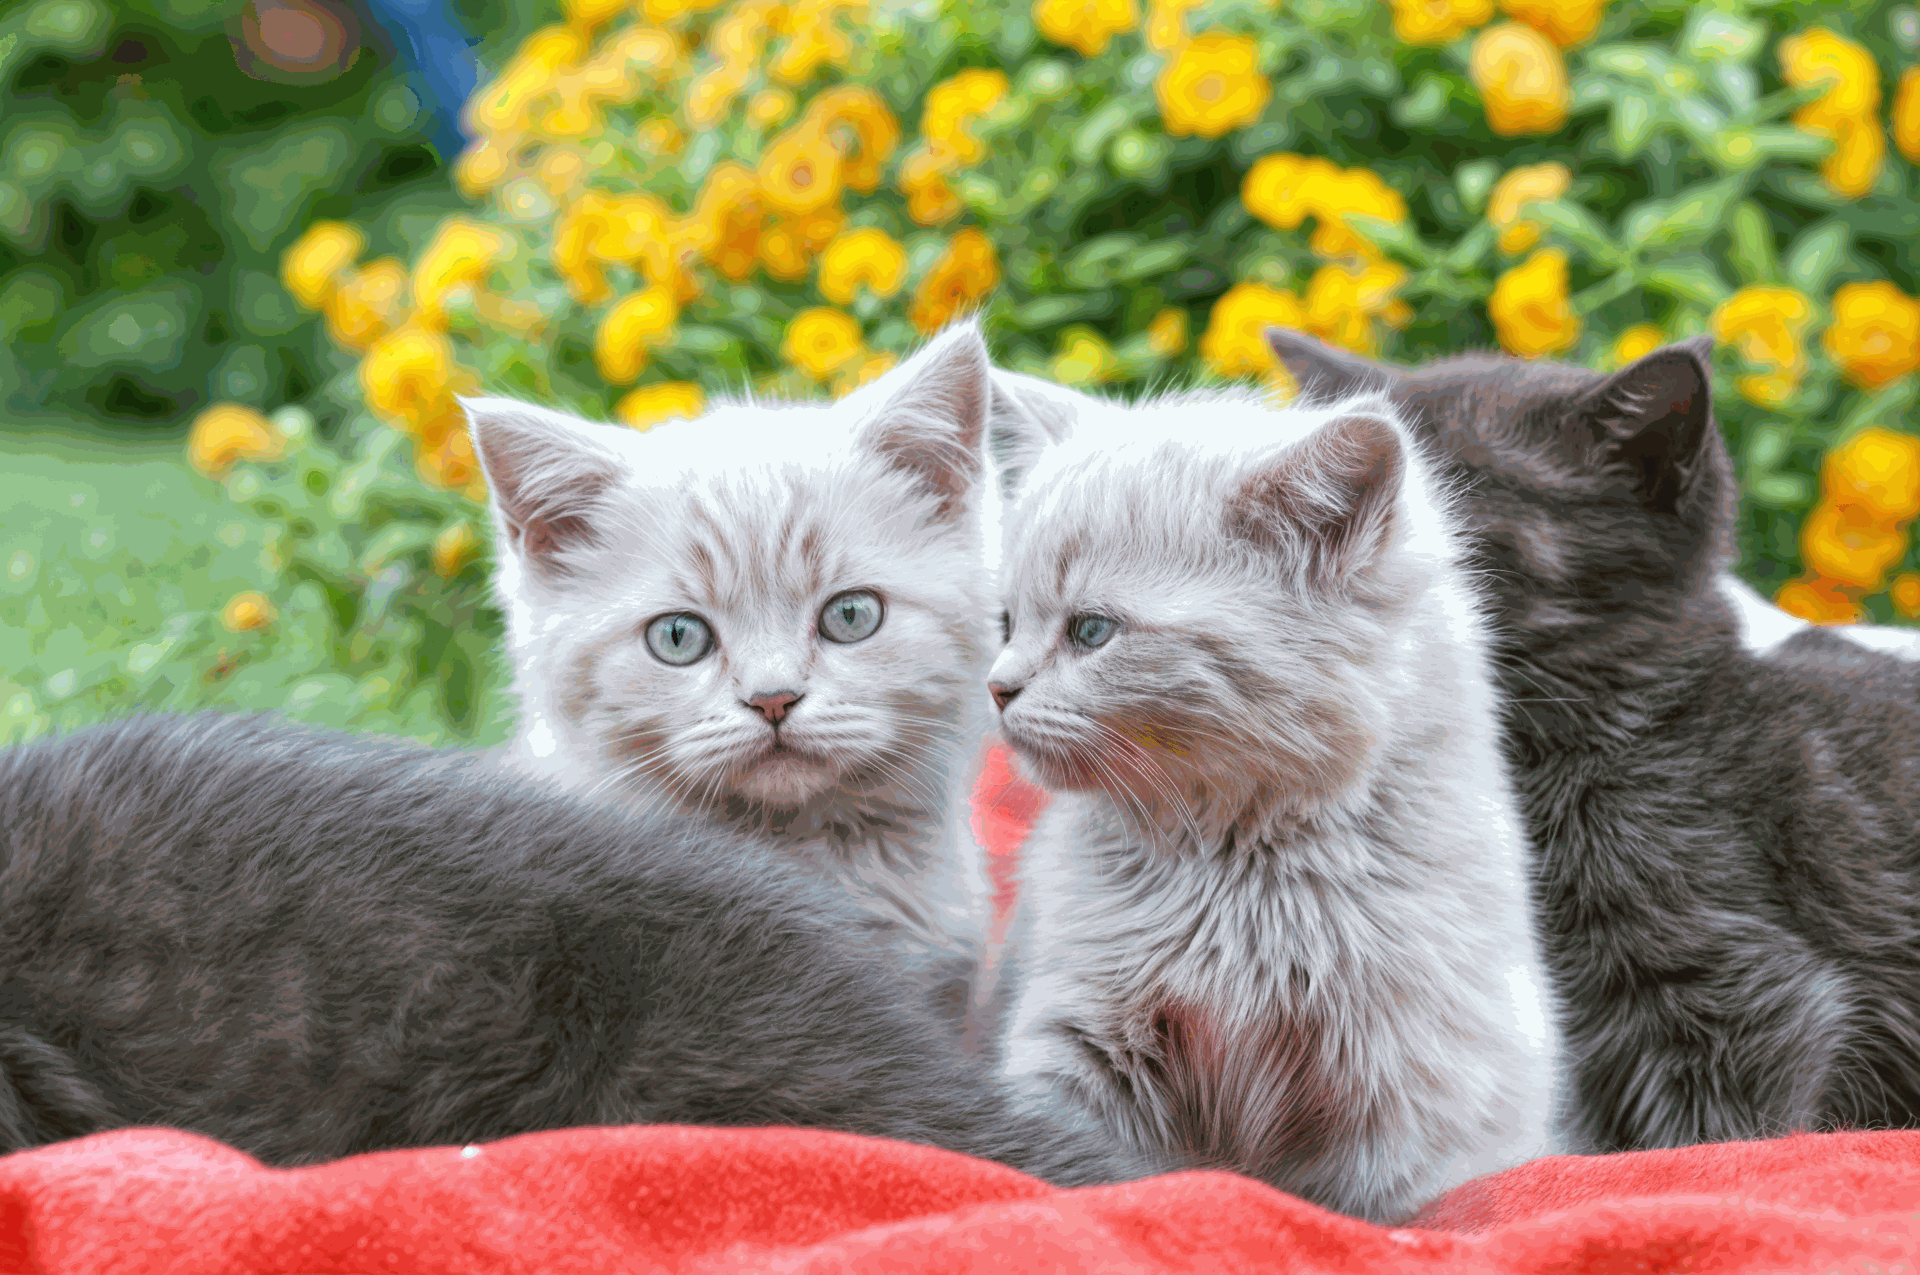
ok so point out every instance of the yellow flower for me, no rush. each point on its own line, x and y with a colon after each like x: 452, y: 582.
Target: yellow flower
x: 858, y: 372
x: 869, y: 257
x: 968, y: 270
x: 768, y: 107
x: 1282, y: 189
x: 1820, y: 601
x: 1086, y: 25
x: 1565, y: 22
x: 666, y: 10
x: 1521, y: 78
x: 461, y: 254
x: 1876, y: 472
x: 788, y: 246
x: 1521, y: 186
x: 629, y: 229
x: 1906, y: 594
x: 245, y: 611
x: 1818, y: 56
x: 860, y: 112
x: 1850, y: 546
x: 644, y: 319
x: 1350, y: 190
x: 812, y: 42
x: 1875, y: 335
x: 551, y: 48
x: 739, y: 36
x: 1859, y: 151
x: 1438, y: 21
x: 1212, y: 86
x: 1766, y: 324
x: 562, y: 170
x: 1342, y: 301
x: 502, y: 106
x: 930, y: 200
x: 227, y: 432
x: 450, y: 463
x: 822, y: 339
x: 727, y: 219
x: 1235, y: 342
x: 952, y: 107
x: 711, y: 96
x: 454, y: 548
x: 1167, y: 23
x: 312, y: 265
x: 664, y: 401
x: 661, y: 136
x: 1167, y: 334
x: 800, y: 171
x: 1906, y: 114
x: 1084, y: 359
x: 1529, y: 306
x: 408, y: 375
x: 484, y: 165
x: 367, y: 303
x: 1639, y: 341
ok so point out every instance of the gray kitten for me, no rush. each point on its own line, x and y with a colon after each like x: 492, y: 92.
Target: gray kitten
x: 773, y: 617
x: 1725, y: 841
x: 1276, y: 919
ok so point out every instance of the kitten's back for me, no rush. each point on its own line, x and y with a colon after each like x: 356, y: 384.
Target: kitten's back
x: 309, y: 945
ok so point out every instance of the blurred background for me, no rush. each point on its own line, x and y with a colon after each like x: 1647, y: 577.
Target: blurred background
x: 250, y: 252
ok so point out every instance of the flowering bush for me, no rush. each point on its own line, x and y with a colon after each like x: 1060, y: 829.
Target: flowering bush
x: 672, y: 198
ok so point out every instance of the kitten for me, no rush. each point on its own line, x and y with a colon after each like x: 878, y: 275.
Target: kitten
x: 1275, y: 918
x: 1726, y: 842
x: 309, y: 944
x: 773, y: 617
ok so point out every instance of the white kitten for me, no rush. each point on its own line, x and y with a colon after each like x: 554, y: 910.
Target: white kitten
x: 1277, y: 918
x: 774, y: 616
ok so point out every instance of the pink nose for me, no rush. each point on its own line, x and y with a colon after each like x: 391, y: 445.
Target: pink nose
x: 1002, y: 694
x: 773, y: 705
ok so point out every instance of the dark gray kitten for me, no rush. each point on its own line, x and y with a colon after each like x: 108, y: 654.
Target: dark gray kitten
x: 309, y: 945
x: 1727, y: 849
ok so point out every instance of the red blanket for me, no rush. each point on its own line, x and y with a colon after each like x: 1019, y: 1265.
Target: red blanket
x: 702, y: 1200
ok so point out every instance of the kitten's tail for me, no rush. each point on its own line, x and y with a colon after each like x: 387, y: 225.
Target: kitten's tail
x: 43, y: 1096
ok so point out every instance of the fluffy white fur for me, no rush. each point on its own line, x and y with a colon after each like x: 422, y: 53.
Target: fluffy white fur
x: 751, y: 519
x: 1276, y: 918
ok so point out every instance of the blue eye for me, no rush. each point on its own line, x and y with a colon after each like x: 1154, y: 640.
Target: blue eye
x: 850, y: 616
x: 681, y: 638
x: 1090, y: 630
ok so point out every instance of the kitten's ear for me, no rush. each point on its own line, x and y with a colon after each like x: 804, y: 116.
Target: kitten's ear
x: 546, y: 471
x: 1329, y: 502
x: 1025, y: 416
x: 933, y: 424
x: 1324, y: 371
x: 1652, y: 422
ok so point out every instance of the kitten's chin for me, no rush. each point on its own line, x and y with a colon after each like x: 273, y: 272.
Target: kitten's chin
x: 1055, y: 771
x: 785, y: 778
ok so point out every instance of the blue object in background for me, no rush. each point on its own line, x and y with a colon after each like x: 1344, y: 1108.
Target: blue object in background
x: 434, y: 46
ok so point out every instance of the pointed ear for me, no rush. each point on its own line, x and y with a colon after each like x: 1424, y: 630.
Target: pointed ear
x: 1025, y: 416
x: 1324, y: 371
x: 934, y: 423
x: 1328, y: 503
x: 546, y: 471
x: 1652, y: 423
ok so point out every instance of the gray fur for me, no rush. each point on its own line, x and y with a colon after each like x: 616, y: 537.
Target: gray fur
x: 752, y: 517
x: 1275, y: 919
x: 309, y: 945
x: 1725, y: 837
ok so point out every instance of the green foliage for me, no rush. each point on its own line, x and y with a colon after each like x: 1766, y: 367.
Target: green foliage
x: 147, y: 184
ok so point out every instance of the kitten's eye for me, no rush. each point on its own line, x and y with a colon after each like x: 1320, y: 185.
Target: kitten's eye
x: 1006, y: 628
x: 1090, y: 630
x: 680, y: 638
x: 849, y: 617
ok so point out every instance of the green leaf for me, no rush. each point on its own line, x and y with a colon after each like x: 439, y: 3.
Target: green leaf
x: 1631, y: 125
x: 1752, y: 250
x: 1427, y: 102
x: 1577, y: 225
x: 1715, y: 35
x: 1815, y: 255
x: 1696, y: 213
x: 1691, y: 278
x: 1473, y: 181
x: 1395, y: 236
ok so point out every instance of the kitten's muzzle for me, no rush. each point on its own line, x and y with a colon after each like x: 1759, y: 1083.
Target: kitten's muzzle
x: 773, y: 706
x: 1003, y: 694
